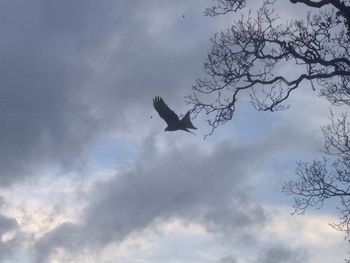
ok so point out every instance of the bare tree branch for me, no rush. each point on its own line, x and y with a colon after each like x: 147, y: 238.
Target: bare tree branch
x: 265, y: 59
x: 319, y: 181
x: 246, y: 60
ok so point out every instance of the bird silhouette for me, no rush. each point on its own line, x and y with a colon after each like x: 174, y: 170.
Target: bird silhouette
x: 170, y: 117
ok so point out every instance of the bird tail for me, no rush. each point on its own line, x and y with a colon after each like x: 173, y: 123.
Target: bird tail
x: 186, y: 121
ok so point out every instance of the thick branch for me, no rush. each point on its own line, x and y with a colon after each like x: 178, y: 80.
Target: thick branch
x: 312, y: 3
x: 344, y: 10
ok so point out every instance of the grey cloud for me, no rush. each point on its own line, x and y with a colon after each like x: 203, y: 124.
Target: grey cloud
x: 228, y: 259
x: 64, y: 81
x: 184, y: 182
x: 274, y: 253
x: 41, y: 119
x: 207, y: 187
x: 282, y: 254
x: 7, y: 247
x: 6, y: 224
x: 72, y: 71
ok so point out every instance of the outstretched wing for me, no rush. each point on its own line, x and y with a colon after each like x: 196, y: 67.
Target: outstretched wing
x: 186, y: 121
x: 164, y: 111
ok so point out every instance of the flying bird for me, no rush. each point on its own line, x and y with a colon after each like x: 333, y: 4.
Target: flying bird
x: 170, y: 117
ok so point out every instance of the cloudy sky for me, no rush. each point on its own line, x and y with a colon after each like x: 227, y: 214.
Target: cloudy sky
x: 87, y: 173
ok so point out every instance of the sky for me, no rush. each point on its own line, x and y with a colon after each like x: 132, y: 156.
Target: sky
x: 87, y: 173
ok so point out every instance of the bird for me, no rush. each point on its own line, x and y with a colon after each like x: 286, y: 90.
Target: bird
x: 170, y: 117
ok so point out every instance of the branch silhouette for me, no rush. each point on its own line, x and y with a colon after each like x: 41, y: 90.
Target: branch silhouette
x: 246, y: 59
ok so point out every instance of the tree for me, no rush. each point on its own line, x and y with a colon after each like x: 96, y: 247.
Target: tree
x: 246, y: 59
x: 320, y: 181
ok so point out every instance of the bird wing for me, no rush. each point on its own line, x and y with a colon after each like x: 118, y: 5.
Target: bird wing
x: 186, y: 121
x: 164, y: 111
